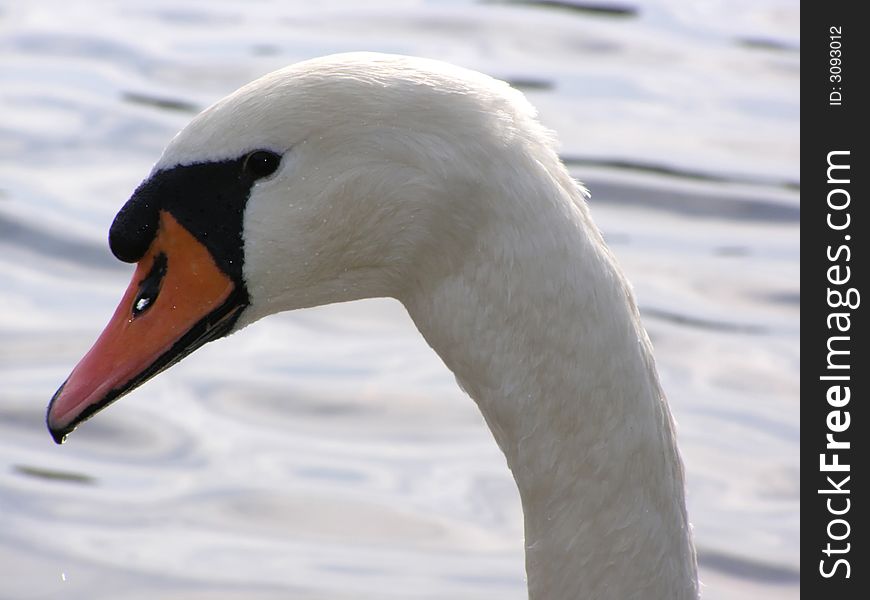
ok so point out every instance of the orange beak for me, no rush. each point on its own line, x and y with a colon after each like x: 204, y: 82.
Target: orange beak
x: 178, y: 300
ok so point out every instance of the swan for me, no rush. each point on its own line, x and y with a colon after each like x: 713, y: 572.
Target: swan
x: 368, y: 175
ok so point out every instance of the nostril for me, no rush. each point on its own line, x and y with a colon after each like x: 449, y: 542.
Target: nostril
x: 142, y: 303
x: 149, y: 288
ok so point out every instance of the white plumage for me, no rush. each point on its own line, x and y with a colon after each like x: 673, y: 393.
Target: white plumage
x: 435, y: 185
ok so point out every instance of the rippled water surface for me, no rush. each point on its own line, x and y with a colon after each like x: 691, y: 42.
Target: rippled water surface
x: 328, y: 453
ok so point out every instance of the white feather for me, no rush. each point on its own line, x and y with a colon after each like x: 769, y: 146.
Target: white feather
x: 435, y: 185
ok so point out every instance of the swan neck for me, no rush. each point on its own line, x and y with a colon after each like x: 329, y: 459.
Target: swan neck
x: 540, y: 328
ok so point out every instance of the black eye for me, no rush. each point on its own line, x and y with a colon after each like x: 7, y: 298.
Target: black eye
x: 261, y: 163
x: 149, y: 287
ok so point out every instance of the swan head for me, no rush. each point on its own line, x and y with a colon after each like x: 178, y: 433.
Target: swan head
x: 335, y: 179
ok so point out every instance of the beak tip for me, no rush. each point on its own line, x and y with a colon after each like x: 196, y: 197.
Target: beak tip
x: 58, y: 432
x: 58, y: 435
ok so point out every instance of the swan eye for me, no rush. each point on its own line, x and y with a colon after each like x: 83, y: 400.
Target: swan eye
x: 261, y: 163
x: 149, y: 287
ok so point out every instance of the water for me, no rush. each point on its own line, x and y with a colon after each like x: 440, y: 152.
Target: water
x: 328, y: 453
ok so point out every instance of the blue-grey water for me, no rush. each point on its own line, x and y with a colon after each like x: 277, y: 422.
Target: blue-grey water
x: 328, y: 454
